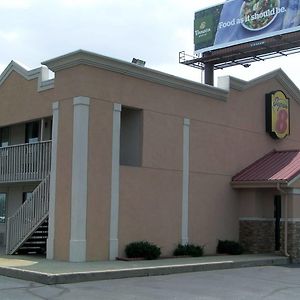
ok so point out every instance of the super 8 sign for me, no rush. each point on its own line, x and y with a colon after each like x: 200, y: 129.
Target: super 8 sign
x: 277, y: 115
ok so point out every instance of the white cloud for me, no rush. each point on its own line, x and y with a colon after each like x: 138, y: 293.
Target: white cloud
x: 2, y: 67
x: 15, y: 4
x: 9, y: 36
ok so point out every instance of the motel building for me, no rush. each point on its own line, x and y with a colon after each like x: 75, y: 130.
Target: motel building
x: 109, y: 152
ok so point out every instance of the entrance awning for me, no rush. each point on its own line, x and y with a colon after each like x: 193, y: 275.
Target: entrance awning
x: 281, y: 167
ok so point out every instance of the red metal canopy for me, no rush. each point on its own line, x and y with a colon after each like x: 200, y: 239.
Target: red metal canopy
x: 274, y: 167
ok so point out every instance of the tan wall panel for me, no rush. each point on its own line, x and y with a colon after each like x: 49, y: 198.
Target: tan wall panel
x: 244, y: 109
x: 258, y: 203
x: 293, y: 206
x: 225, y: 150
x: 63, y: 180
x: 247, y: 203
x: 162, y: 141
x: 150, y: 207
x: 265, y: 199
x: 99, y: 179
x: 21, y: 102
x: 213, y: 210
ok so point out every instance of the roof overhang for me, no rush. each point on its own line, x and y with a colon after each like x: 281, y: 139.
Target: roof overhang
x: 259, y: 184
x: 276, y: 168
x: 82, y: 57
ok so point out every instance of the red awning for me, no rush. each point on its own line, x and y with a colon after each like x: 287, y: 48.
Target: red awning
x: 275, y: 167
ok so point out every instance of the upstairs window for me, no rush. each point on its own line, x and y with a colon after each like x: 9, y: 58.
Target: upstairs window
x: 4, y: 136
x: 32, y: 132
x: 131, y: 137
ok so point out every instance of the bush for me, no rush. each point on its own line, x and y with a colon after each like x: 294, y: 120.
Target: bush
x: 142, y: 249
x: 188, y: 249
x: 229, y: 247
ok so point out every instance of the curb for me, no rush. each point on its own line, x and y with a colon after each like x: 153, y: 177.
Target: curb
x: 73, y: 277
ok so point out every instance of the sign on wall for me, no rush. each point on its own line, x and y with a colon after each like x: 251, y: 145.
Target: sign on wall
x: 277, y: 115
x: 237, y: 21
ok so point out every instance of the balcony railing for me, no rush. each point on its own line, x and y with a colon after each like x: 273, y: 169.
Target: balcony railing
x: 26, y: 162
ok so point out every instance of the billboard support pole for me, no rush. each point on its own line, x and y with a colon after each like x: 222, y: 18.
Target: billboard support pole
x: 209, y: 73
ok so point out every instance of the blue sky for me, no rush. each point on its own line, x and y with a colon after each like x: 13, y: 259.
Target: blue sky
x: 32, y: 31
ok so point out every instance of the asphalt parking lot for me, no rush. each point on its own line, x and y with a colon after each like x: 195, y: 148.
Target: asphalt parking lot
x: 245, y: 283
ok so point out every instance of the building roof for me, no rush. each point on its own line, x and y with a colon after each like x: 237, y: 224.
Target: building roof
x: 82, y: 57
x: 275, y: 167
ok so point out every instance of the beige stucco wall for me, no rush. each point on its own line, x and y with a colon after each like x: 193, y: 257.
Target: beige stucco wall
x: 257, y: 203
x: 63, y: 180
x: 150, y: 207
x: 293, y: 206
x: 150, y: 196
x: 20, y: 101
x: 225, y: 137
x: 99, y: 179
x: 162, y: 141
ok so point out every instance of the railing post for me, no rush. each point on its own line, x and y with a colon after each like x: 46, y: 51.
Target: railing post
x: 8, y: 236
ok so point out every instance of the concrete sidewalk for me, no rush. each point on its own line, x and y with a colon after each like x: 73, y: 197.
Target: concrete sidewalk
x: 45, y: 271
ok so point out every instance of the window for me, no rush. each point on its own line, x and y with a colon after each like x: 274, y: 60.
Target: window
x: 131, y: 137
x: 2, y: 207
x: 4, y: 136
x: 32, y: 132
x: 26, y: 196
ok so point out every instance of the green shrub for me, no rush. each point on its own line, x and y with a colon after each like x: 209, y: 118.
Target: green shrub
x: 188, y: 249
x: 142, y: 249
x: 229, y: 247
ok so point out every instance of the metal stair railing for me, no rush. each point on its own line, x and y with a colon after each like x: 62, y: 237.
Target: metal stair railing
x: 28, y: 217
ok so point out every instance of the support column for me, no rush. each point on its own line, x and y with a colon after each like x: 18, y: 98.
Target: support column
x: 209, y: 73
x: 52, y: 196
x: 79, y: 179
x: 42, y: 129
x: 115, y: 182
x: 185, y: 183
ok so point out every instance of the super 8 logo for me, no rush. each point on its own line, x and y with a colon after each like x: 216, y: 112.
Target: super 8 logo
x: 277, y: 115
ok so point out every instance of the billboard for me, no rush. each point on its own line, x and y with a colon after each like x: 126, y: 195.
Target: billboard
x: 237, y: 21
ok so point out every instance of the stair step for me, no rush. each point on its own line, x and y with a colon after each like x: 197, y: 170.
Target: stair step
x: 34, y: 246
x: 39, y: 241
x: 38, y: 237
x: 40, y: 234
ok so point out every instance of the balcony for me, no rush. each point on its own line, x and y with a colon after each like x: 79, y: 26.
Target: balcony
x: 26, y: 162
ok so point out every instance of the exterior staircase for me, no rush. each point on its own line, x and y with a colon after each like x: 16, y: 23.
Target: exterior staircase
x: 27, y: 228
x: 37, y: 242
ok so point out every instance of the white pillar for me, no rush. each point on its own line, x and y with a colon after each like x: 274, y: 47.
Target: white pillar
x: 51, y: 225
x: 114, y: 209
x: 185, y: 183
x: 79, y: 179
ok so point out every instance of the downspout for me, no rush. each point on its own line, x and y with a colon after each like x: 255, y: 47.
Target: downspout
x: 283, y: 192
